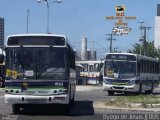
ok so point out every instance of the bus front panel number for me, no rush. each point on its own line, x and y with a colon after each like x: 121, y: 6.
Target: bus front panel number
x: 58, y: 83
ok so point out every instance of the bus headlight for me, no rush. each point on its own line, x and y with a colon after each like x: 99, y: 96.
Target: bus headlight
x: 107, y: 81
x: 59, y: 91
x: 131, y: 82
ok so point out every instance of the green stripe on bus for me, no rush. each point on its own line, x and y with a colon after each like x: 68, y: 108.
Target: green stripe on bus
x: 119, y: 83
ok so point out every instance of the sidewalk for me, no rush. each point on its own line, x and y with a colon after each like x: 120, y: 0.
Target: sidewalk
x: 136, y: 107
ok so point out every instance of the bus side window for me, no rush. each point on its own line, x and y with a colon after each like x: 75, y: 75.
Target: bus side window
x: 96, y: 67
x: 138, y: 67
x: 85, y: 67
x: 91, y: 69
x: 73, y: 60
x: 141, y: 66
x: 71, y: 57
x: 157, y: 68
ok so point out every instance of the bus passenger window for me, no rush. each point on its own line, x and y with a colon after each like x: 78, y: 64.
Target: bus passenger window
x: 91, y: 68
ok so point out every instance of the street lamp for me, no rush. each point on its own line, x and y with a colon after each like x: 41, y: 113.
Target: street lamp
x: 49, y: 2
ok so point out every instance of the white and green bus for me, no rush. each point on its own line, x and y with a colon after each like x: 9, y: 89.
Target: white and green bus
x: 40, y: 69
x: 126, y: 72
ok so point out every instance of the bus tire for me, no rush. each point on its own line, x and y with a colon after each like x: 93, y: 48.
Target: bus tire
x: 70, y: 101
x: 140, y: 89
x: 151, y: 90
x: 15, y: 108
x: 67, y: 109
x: 110, y: 92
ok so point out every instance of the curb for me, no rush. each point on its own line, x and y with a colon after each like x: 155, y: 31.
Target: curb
x: 102, y: 107
x: 109, y: 108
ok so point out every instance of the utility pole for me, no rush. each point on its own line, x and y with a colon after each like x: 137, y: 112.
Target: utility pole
x: 27, y: 19
x: 110, y: 39
x: 48, y: 3
x: 141, y: 38
x: 93, y: 45
x: 144, y: 39
x: 92, y: 52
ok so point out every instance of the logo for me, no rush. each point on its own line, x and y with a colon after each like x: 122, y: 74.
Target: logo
x: 119, y: 30
x: 121, y: 26
x: 120, y: 8
x: 9, y: 117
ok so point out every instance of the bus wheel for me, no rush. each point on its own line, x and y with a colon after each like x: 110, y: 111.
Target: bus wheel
x: 151, y: 90
x: 67, y: 109
x: 15, y: 108
x: 110, y: 93
x: 140, y: 89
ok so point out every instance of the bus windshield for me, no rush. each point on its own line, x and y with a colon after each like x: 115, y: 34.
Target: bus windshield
x: 120, y: 69
x: 32, y: 63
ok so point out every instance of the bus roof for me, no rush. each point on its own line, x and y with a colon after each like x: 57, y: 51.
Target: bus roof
x: 89, y: 61
x: 20, y: 35
x: 136, y: 55
x: 79, y: 66
x: 38, y: 35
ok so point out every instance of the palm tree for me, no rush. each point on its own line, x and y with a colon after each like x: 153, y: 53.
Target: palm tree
x: 151, y: 50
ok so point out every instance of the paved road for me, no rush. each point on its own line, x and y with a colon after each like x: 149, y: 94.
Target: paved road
x: 82, y: 110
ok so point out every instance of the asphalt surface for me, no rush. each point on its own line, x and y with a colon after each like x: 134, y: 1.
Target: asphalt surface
x: 83, y: 109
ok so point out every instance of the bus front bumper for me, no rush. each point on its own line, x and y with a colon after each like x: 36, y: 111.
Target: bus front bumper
x: 30, y: 99
x: 121, y: 88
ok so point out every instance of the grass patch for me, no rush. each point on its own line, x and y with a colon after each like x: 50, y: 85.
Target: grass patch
x: 126, y: 101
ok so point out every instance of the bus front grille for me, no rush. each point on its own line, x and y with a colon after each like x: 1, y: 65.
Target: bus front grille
x: 115, y: 87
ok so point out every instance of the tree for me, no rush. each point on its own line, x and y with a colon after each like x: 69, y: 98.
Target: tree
x: 151, y: 50
x: 136, y: 49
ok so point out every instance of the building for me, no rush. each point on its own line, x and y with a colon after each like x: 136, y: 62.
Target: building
x: 1, y: 32
x: 89, y: 54
x: 157, y: 29
x: 94, y: 55
x: 84, y: 49
x: 77, y: 54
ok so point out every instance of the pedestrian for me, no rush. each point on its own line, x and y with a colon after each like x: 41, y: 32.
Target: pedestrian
x: 100, y: 78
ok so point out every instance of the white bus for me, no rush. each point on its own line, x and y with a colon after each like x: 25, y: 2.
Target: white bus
x: 40, y: 69
x: 126, y: 72
x: 91, y: 70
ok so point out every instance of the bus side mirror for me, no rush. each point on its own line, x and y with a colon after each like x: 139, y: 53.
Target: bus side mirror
x: 1, y: 58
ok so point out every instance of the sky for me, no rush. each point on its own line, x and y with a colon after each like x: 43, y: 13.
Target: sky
x: 80, y: 18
